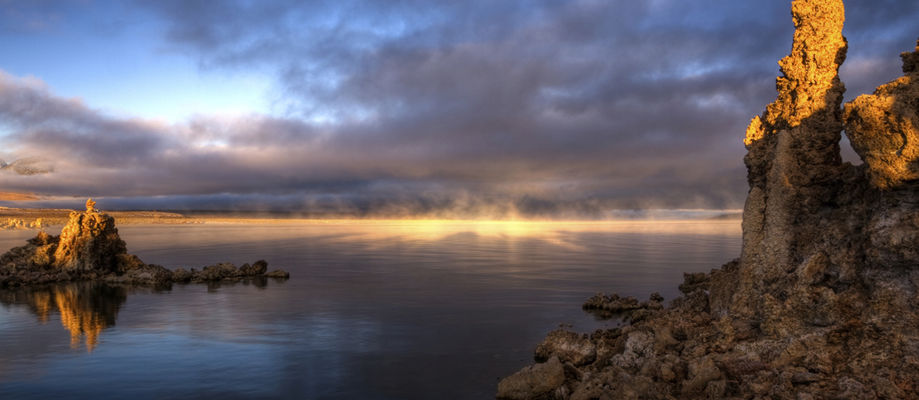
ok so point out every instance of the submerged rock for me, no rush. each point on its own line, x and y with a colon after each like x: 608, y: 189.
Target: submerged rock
x: 611, y: 303
x: 278, y: 274
x: 257, y: 268
x: 824, y: 299
x: 89, y: 248
x: 629, y: 308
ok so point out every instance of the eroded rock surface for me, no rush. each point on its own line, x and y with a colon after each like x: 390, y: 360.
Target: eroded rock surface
x: 19, y: 223
x: 823, y: 301
x: 884, y: 128
x: 89, y: 242
x: 89, y: 248
x: 629, y: 308
x: 541, y: 382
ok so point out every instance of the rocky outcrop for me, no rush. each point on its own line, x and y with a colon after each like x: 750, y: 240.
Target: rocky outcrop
x: 793, y: 159
x: 90, y: 242
x: 539, y: 382
x: 89, y: 248
x: 609, y: 306
x: 823, y: 300
x: 884, y: 128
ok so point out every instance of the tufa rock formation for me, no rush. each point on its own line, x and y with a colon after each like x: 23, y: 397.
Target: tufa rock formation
x: 89, y: 248
x: 824, y: 299
x: 884, y: 128
x: 90, y: 242
x: 19, y: 223
x: 793, y: 155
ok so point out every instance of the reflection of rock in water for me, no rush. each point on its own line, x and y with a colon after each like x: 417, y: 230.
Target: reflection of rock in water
x: 86, y: 308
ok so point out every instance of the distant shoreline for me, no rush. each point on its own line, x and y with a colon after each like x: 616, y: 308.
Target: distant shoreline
x: 9, y: 217
x: 56, y: 216
x: 10, y: 196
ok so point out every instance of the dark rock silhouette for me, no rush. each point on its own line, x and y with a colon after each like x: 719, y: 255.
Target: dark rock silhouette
x: 89, y: 248
x: 824, y: 299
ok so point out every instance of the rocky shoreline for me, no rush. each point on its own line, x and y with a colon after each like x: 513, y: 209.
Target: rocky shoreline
x: 823, y: 302
x: 89, y: 249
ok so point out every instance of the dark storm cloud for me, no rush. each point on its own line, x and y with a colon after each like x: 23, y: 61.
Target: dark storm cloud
x: 877, y: 31
x: 543, y: 105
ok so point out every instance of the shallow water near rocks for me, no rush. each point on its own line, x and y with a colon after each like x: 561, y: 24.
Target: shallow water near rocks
x: 373, y: 310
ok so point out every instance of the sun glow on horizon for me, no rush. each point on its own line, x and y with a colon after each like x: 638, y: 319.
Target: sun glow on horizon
x: 418, y: 232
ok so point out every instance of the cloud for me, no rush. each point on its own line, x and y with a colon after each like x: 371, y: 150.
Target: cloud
x: 358, y: 166
x: 27, y: 166
x: 536, y: 107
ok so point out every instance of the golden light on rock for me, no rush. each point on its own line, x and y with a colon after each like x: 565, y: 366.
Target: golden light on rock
x: 754, y: 131
x: 883, y: 127
x: 809, y: 90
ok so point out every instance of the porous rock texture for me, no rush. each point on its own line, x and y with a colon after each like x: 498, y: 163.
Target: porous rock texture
x: 89, y: 248
x: 884, y: 128
x: 824, y: 299
x: 89, y: 242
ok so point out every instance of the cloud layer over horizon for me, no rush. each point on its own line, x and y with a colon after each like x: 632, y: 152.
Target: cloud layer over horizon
x: 547, y: 107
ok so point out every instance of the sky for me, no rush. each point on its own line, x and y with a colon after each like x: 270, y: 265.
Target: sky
x: 486, y: 108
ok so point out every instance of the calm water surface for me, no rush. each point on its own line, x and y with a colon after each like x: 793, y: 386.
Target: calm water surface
x: 381, y: 310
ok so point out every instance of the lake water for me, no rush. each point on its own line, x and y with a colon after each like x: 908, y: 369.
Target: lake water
x: 373, y: 310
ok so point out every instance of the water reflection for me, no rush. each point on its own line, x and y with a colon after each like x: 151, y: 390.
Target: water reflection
x: 374, y: 309
x: 86, y: 308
